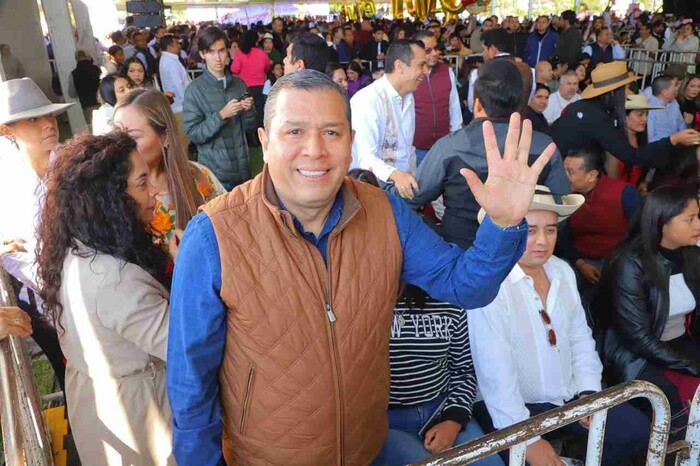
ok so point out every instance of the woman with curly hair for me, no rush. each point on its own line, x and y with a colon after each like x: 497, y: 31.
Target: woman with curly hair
x: 182, y: 185
x: 104, y: 283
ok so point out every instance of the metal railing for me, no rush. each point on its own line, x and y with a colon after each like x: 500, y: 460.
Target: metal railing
x: 596, y: 405
x: 650, y: 64
x: 26, y: 440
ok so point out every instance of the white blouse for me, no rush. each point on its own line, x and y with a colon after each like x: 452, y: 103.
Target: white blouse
x: 681, y: 303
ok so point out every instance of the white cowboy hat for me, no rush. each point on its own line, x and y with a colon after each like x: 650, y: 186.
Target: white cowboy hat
x: 21, y: 99
x: 639, y: 102
x: 544, y: 200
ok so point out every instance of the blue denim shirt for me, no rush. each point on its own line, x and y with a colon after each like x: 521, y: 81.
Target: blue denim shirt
x: 665, y: 122
x: 469, y: 279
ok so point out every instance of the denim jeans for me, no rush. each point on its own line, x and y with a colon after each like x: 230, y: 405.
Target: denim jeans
x: 627, y: 431
x: 403, y: 445
x: 420, y: 155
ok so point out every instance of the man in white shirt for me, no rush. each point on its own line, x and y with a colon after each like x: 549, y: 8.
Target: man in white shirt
x: 533, y: 350
x: 567, y: 94
x: 649, y: 45
x: 174, y: 77
x: 384, y: 118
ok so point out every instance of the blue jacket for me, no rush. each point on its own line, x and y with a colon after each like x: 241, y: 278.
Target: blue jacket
x: 538, y: 48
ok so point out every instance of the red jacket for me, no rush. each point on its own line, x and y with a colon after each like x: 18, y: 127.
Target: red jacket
x: 600, y: 223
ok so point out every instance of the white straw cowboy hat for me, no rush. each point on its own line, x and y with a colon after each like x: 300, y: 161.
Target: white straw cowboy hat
x: 607, y: 77
x: 544, y: 200
x: 639, y: 102
x: 21, y: 99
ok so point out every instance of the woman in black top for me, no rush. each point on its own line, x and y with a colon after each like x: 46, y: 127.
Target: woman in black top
x: 432, y: 373
x: 598, y: 122
x: 649, y: 292
x: 689, y: 100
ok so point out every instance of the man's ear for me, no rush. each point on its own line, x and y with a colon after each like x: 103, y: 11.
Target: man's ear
x: 264, y: 141
x: 302, y: 65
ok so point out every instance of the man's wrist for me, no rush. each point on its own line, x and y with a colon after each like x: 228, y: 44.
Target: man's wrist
x: 505, y: 224
x: 580, y: 263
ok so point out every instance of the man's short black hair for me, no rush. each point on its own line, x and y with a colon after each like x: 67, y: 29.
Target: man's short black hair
x: 592, y: 159
x: 496, y: 38
x: 312, y: 49
x: 542, y: 87
x: 400, y: 50
x: 209, y: 36
x: 165, y: 41
x: 661, y: 83
x: 570, y: 16
x: 456, y: 35
x: 499, y: 88
x: 377, y: 29
x: 113, y: 50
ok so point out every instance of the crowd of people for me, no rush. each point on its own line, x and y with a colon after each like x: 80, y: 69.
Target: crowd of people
x: 457, y: 226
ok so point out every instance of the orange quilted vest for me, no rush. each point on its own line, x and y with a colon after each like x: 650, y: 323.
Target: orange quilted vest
x: 305, y: 374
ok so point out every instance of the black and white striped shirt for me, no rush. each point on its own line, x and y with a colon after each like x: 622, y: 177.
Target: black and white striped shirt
x: 430, y: 356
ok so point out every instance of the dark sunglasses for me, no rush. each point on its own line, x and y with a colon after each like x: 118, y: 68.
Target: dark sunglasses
x: 551, y: 334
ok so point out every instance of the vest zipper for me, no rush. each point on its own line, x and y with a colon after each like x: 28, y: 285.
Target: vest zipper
x: 335, y: 359
x: 432, y: 101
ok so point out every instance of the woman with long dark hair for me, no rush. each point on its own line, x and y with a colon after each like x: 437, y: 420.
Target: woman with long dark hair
x: 104, y: 284
x: 136, y: 71
x: 689, y: 100
x: 637, y: 109
x: 598, y: 122
x: 252, y: 64
x: 650, y: 291
x: 113, y: 88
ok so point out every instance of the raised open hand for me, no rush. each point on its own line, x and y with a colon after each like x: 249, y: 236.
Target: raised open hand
x: 510, y: 186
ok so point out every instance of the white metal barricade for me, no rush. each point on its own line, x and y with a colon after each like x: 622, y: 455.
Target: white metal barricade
x: 650, y: 64
x: 194, y: 73
x: 596, y: 405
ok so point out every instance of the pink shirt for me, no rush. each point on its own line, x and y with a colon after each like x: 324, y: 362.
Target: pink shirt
x: 252, y: 67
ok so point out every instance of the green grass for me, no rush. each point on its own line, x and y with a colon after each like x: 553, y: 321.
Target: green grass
x: 256, y: 160
x: 44, y: 376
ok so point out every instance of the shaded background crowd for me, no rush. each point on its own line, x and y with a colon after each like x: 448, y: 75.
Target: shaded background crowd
x: 614, y: 273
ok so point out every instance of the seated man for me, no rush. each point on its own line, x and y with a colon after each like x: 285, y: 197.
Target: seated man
x: 596, y: 229
x: 533, y: 350
x: 668, y: 120
x: 499, y: 91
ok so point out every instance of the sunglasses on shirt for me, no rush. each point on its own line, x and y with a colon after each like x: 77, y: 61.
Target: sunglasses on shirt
x: 547, y: 321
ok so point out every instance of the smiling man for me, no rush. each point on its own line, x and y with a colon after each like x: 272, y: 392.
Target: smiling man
x: 384, y: 118
x: 284, y: 289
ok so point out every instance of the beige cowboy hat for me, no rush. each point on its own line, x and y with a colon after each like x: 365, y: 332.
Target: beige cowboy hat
x: 607, y: 77
x: 21, y: 99
x: 639, y: 102
x: 544, y: 200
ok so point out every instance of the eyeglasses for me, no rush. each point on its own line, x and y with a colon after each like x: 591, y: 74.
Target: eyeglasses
x: 551, y: 334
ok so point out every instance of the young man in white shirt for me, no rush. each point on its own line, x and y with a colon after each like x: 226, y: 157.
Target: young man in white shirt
x: 173, y: 76
x: 533, y: 350
x: 566, y: 95
x: 384, y: 118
